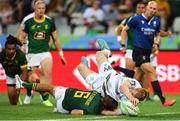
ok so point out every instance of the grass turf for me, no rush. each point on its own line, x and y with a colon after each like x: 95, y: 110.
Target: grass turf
x: 149, y: 110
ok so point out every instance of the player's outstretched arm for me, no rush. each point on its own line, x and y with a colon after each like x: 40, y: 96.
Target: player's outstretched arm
x: 125, y: 90
x: 77, y: 112
x: 58, y: 46
x: 123, y: 38
x: 115, y: 112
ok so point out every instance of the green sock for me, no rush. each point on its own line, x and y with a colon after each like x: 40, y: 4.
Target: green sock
x: 30, y: 86
x: 27, y: 85
x: 28, y: 91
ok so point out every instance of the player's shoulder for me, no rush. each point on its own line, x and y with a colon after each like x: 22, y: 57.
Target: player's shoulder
x: 19, y: 53
x: 2, y: 54
x: 156, y: 18
x: 136, y: 17
x: 48, y: 18
x: 28, y: 17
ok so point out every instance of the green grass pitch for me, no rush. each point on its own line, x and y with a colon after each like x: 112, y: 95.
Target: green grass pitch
x: 149, y: 110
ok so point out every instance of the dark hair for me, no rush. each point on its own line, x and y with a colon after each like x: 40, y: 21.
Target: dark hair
x: 12, y: 40
x: 108, y: 103
x: 145, y: 2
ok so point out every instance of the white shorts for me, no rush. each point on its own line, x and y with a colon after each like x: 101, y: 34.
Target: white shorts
x: 10, y: 80
x: 95, y: 81
x: 36, y: 59
x: 59, y: 93
x: 153, y: 60
x: 128, y: 53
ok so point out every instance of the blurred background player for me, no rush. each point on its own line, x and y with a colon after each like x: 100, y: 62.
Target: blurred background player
x: 14, y: 62
x: 146, y: 26
x: 38, y: 28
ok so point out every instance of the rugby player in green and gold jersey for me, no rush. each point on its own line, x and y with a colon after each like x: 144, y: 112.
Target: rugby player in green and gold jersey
x: 39, y: 28
x: 75, y: 101
x: 14, y: 62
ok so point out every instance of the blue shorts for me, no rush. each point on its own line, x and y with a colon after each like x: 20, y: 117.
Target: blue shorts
x: 140, y: 56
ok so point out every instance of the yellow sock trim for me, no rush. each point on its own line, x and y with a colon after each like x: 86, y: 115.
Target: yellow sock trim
x: 34, y: 85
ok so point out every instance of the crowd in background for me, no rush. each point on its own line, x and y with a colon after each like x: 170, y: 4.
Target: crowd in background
x: 95, y: 16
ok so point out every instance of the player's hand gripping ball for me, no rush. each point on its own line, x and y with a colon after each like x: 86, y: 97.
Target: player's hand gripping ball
x: 127, y: 108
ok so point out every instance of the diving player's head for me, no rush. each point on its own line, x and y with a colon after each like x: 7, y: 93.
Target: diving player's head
x: 139, y: 93
x: 10, y: 46
x: 108, y: 103
x: 39, y: 7
x: 151, y: 9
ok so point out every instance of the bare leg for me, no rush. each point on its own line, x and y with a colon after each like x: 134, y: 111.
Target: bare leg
x: 101, y: 56
x: 138, y: 74
x: 130, y: 64
x: 39, y: 87
x: 84, y: 70
x: 46, y: 71
x: 13, y: 94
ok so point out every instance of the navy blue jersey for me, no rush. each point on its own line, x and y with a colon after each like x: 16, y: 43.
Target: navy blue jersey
x: 144, y: 30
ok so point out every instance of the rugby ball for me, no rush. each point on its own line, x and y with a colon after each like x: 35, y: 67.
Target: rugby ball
x: 127, y: 108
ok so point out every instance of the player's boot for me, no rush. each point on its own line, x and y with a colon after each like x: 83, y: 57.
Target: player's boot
x: 18, y: 82
x: 46, y: 102
x: 104, y: 46
x: 20, y: 101
x: 84, y: 61
x: 27, y: 99
x: 169, y: 102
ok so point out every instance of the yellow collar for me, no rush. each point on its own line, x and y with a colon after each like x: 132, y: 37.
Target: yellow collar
x: 39, y: 20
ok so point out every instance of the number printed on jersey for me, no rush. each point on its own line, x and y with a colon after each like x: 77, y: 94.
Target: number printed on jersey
x: 82, y: 94
x: 107, y: 67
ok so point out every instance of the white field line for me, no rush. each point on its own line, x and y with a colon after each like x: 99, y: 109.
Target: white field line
x: 108, y: 118
x: 155, y: 114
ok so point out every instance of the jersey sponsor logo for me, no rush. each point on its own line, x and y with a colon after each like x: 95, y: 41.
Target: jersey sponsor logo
x: 148, y: 31
x: 154, y: 23
x: 142, y: 22
x: 33, y: 26
x: 39, y: 35
x: 46, y: 26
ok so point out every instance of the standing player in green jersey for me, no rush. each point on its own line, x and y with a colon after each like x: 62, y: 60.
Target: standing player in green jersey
x: 14, y: 62
x: 75, y: 101
x: 39, y: 28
